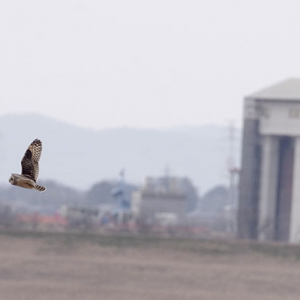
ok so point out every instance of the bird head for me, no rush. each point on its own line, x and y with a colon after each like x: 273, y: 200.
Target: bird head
x: 12, y: 179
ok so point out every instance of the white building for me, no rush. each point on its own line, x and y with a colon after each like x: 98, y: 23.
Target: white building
x: 160, y: 201
x: 269, y: 206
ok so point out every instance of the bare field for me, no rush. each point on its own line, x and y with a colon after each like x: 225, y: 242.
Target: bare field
x: 60, y: 266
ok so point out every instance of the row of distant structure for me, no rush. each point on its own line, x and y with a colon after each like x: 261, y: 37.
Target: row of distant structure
x: 264, y: 194
x: 266, y: 206
x: 159, y: 201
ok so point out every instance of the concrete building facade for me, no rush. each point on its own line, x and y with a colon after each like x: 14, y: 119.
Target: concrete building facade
x: 160, y: 198
x: 269, y: 205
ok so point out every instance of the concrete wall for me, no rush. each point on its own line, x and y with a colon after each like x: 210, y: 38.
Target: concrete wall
x: 284, y: 188
x: 295, y: 205
x: 268, y: 187
x: 269, y: 202
x: 279, y: 117
x: 249, y: 181
x: 151, y: 204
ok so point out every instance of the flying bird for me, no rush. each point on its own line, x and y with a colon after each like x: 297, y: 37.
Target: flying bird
x: 30, y: 168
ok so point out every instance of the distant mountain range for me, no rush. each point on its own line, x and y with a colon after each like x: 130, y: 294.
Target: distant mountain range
x: 79, y: 157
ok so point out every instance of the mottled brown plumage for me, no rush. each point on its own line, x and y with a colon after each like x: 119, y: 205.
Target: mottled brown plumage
x: 30, y: 161
x: 30, y: 168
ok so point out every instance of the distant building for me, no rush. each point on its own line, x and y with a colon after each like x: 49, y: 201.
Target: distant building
x: 160, y: 200
x: 81, y: 217
x: 269, y: 206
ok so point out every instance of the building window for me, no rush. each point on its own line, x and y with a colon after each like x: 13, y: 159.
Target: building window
x: 294, y: 113
x: 263, y: 112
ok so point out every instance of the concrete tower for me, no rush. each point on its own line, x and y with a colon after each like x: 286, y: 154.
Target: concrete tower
x: 269, y: 204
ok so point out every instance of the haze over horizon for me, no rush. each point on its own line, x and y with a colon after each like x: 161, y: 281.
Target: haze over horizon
x: 143, y: 64
x: 80, y: 157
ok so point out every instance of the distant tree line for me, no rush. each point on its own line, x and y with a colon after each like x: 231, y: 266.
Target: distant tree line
x: 49, y: 202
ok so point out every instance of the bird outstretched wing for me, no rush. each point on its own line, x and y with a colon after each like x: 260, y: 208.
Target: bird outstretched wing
x: 30, y: 160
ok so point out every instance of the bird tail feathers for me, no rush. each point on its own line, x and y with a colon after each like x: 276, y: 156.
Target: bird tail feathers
x: 40, y: 188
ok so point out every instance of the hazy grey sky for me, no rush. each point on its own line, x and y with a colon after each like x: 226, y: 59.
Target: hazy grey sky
x: 143, y: 63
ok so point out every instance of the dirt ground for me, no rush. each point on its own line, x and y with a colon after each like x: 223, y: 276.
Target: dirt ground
x: 60, y: 267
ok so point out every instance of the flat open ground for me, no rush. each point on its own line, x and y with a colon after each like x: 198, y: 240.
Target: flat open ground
x: 60, y: 266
